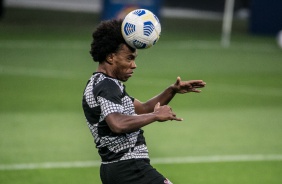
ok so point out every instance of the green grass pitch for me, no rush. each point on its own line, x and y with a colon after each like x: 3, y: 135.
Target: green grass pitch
x: 45, y: 64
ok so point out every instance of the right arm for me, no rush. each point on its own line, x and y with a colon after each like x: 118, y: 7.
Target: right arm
x: 168, y: 94
x: 120, y: 123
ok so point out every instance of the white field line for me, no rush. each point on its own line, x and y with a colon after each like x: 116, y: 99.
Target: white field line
x: 216, y: 45
x: 247, y: 90
x: 36, y: 72
x: 92, y: 6
x: 172, y: 160
x: 59, y: 74
x: 182, y: 45
x: 44, y: 44
x: 226, y: 88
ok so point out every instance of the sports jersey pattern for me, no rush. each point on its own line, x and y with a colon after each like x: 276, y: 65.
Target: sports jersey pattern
x: 102, y: 96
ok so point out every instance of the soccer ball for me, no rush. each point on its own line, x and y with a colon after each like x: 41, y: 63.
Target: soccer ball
x: 141, y: 29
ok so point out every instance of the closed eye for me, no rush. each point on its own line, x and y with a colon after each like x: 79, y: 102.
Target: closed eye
x: 131, y: 57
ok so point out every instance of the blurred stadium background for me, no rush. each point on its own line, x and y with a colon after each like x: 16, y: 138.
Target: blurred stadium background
x: 232, y: 130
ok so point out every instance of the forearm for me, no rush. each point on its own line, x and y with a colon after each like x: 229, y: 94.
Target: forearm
x: 120, y: 123
x: 164, y: 98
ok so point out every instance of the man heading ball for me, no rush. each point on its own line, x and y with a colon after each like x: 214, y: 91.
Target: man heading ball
x: 115, y: 118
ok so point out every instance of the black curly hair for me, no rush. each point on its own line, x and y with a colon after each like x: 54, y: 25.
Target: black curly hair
x: 107, y: 39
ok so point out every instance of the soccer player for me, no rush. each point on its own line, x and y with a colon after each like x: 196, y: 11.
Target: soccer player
x: 115, y: 118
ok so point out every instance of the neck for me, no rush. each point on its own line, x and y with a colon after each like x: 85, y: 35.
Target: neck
x: 105, y: 68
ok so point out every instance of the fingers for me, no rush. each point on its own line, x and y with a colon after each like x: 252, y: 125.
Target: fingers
x: 157, y: 106
x: 175, y: 118
x: 197, y: 83
x: 178, y: 79
x: 165, y: 113
x: 198, y: 86
x: 194, y: 84
x: 195, y: 90
x: 188, y: 86
x: 178, y: 119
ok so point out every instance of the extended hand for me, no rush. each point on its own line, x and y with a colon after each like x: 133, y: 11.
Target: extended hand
x: 165, y: 113
x: 188, y: 86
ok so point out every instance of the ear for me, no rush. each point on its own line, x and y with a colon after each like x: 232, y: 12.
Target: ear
x: 110, y: 59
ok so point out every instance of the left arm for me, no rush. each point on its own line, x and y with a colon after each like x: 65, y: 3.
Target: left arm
x: 167, y: 95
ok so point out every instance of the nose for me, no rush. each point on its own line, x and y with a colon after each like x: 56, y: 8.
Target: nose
x: 133, y: 65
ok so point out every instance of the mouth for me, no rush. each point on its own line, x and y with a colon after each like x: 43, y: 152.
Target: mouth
x: 127, y: 76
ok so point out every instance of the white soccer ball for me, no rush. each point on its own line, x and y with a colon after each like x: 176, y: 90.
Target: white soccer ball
x: 141, y: 29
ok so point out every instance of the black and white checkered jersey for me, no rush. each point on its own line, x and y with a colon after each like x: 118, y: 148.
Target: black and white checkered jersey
x: 102, y: 96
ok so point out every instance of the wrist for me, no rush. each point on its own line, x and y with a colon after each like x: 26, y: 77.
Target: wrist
x: 154, y: 116
x: 172, y: 89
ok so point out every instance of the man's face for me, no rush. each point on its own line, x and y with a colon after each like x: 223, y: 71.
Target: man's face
x: 124, y: 63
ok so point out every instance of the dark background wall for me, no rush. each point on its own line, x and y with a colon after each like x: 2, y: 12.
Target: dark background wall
x: 209, y: 5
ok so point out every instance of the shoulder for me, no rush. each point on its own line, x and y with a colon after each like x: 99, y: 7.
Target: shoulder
x: 106, y: 86
x: 109, y: 84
